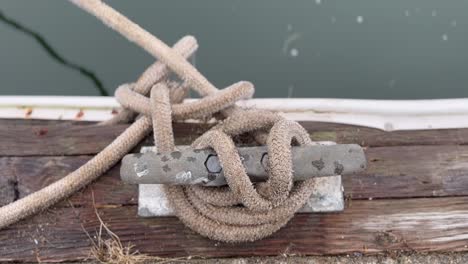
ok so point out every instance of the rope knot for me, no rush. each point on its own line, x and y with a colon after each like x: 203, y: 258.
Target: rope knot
x: 215, y: 212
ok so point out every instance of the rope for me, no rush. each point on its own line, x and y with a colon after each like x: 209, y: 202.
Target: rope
x: 239, y: 212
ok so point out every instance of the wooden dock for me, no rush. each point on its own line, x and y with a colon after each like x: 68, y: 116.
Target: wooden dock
x: 412, y: 198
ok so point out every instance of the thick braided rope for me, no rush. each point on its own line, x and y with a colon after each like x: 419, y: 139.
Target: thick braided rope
x: 134, y: 33
x: 107, y: 158
x: 157, y: 72
x: 113, y: 153
x: 79, y: 178
x: 212, y: 212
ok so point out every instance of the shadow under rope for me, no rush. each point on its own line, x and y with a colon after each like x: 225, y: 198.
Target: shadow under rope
x: 54, y: 54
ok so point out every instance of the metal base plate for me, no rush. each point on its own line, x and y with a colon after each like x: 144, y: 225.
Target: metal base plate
x: 327, y: 196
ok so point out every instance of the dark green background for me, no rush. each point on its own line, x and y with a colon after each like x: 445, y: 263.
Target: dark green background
x: 402, y: 49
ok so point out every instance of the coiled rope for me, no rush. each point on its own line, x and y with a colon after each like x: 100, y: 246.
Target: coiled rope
x: 212, y: 212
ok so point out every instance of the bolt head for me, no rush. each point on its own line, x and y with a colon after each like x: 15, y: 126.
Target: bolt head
x: 212, y: 164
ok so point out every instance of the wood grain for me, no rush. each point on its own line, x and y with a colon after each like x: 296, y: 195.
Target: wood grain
x: 377, y: 138
x: 393, y: 172
x: 411, y: 171
x: 8, y: 183
x: 427, y: 224
x: 73, y: 139
x: 19, y: 139
x: 413, y: 196
x: 34, y: 173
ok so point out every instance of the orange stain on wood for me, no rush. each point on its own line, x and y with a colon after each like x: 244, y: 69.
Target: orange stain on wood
x: 80, y: 114
x: 28, y: 112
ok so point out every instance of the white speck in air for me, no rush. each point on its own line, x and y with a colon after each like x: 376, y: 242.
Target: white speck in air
x: 318, y: 2
x: 294, y: 52
x: 434, y: 13
x: 333, y: 20
x: 444, y: 37
x: 289, y: 27
x: 359, y: 19
x: 407, y: 13
x: 453, y: 23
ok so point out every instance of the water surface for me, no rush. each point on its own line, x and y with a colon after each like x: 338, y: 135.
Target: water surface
x: 307, y: 48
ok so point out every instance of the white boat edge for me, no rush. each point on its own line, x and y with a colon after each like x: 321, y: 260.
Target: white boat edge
x: 388, y: 115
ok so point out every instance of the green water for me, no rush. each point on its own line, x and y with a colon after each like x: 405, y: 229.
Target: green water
x: 399, y: 49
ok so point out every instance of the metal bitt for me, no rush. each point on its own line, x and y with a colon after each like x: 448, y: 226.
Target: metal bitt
x: 327, y: 195
x: 192, y: 166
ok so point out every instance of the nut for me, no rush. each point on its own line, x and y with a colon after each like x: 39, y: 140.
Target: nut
x: 212, y: 164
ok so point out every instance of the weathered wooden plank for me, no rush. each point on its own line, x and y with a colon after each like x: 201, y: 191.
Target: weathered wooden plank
x: 34, y: 173
x: 393, y: 172
x: 406, y: 169
x: 376, y: 138
x: 18, y: 139
x: 426, y: 224
x: 8, y: 183
x: 72, y: 139
x: 411, y: 171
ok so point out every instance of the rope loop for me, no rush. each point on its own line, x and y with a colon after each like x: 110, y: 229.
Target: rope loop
x: 215, y: 212
x: 266, y: 206
x: 242, y: 210
x: 206, y: 106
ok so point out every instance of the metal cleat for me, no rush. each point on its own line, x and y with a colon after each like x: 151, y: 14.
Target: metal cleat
x: 324, y: 162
